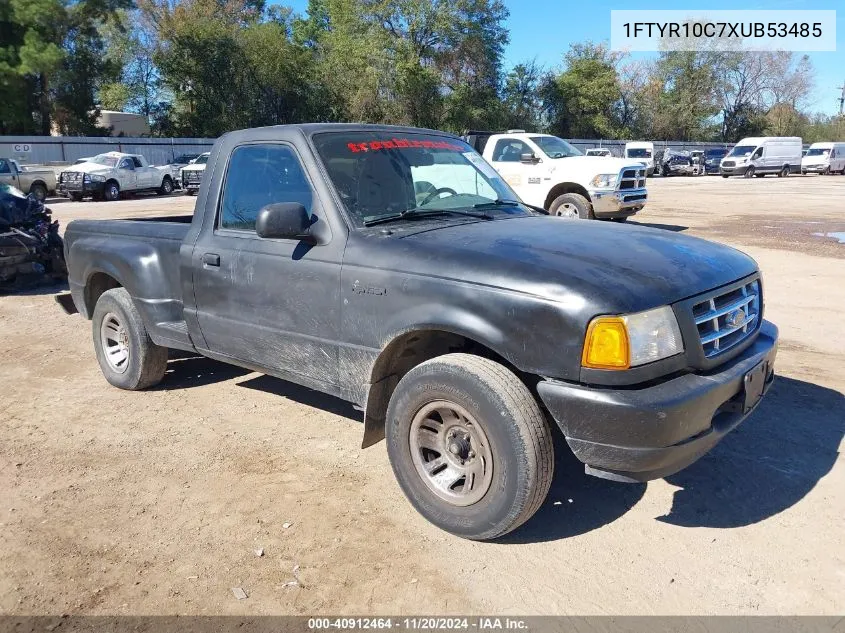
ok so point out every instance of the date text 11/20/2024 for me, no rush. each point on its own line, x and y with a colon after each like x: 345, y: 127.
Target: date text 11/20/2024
x: 419, y: 623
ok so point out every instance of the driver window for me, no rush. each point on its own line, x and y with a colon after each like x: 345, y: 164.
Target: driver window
x: 126, y: 163
x: 4, y: 167
x: 758, y: 153
x: 510, y: 150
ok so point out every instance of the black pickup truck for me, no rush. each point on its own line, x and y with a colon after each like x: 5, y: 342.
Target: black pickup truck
x: 392, y: 267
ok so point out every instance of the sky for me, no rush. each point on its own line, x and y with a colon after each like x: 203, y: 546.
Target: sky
x: 543, y: 30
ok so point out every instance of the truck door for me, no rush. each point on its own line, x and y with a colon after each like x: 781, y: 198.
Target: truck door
x: 126, y: 174
x: 271, y: 303
x: 7, y: 174
x: 507, y: 159
x: 144, y: 175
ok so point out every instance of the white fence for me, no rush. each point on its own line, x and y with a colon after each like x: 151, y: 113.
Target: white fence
x: 64, y: 150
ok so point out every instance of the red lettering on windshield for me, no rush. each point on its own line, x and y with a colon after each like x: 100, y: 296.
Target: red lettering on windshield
x: 403, y: 143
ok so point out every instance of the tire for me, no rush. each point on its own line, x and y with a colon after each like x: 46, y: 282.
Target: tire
x: 76, y: 197
x: 749, y: 172
x: 502, y: 421
x: 572, y: 206
x: 784, y: 172
x: 144, y: 363
x: 625, y: 219
x: 725, y: 176
x: 166, y: 187
x: 38, y: 191
x: 111, y: 191
x: 826, y: 171
x: 188, y: 192
x: 759, y: 175
x: 803, y: 173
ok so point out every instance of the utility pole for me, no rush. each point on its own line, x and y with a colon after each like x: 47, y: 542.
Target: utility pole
x: 842, y: 100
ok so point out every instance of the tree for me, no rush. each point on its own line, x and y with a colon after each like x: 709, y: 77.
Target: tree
x: 521, y: 97
x: 584, y: 100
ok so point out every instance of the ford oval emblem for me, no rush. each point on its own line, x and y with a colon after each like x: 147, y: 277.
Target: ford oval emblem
x: 735, y: 319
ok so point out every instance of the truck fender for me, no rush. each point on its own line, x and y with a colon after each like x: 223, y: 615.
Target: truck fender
x: 434, y: 333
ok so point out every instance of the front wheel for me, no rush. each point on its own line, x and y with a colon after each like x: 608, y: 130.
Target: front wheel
x: 469, y: 446
x: 76, y: 197
x: 572, y: 206
x: 111, y: 191
x: 749, y: 173
x: 127, y: 355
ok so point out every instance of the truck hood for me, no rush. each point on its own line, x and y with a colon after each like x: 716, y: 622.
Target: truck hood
x: 90, y: 168
x: 193, y: 167
x: 621, y: 268
x: 594, y: 164
x: 815, y: 160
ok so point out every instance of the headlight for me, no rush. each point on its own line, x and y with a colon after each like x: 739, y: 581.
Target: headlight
x: 604, y: 181
x: 620, y: 342
x: 95, y: 178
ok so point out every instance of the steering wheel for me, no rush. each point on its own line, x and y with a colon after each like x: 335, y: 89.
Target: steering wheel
x: 436, y: 193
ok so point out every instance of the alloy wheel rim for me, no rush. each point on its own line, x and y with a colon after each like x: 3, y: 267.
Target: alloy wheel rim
x: 451, y: 453
x: 567, y: 210
x: 115, y: 343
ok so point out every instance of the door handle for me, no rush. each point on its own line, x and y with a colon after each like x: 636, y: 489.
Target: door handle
x: 211, y: 259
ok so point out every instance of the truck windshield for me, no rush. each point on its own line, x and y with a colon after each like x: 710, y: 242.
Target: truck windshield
x: 201, y: 160
x: 379, y: 175
x: 818, y: 151
x: 104, y: 159
x: 742, y: 150
x: 638, y: 152
x: 555, y: 147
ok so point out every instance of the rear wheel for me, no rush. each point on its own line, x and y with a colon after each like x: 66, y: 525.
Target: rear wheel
x: 572, y: 206
x: 469, y: 446
x: 76, y: 197
x: 784, y: 172
x: 127, y: 355
x: 38, y: 191
x: 166, y: 187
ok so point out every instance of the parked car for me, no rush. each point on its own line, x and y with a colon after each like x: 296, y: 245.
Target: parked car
x: 191, y: 175
x: 758, y: 156
x: 712, y: 158
x: 824, y: 158
x: 549, y: 173
x: 394, y: 268
x: 642, y: 151
x: 675, y: 162
x: 598, y: 151
x: 182, y: 160
x: 37, y: 182
x: 108, y: 175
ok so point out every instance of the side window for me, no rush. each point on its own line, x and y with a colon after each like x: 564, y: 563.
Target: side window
x: 259, y: 175
x: 758, y: 153
x: 4, y: 167
x: 126, y: 163
x: 137, y: 161
x: 509, y: 150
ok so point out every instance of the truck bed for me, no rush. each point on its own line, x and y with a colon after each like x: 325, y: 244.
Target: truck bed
x: 140, y: 254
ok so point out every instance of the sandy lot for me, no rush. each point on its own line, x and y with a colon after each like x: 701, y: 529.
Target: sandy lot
x: 141, y: 503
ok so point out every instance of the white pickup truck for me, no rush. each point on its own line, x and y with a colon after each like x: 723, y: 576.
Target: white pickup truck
x: 106, y: 176
x: 548, y: 172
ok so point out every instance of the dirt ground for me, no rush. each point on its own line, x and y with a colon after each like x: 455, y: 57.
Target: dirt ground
x: 143, y: 503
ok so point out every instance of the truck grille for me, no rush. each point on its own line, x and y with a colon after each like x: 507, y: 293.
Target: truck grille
x: 728, y: 163
x: 632, y: 178
x: 727, y: 319
x: 71, y: 176
x: 192, y: 175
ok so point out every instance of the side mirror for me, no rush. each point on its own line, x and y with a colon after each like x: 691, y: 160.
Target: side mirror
x: 284, y: 220
x: 529, y: 157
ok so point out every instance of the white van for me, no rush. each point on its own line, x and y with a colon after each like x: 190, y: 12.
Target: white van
x: 824, y: 158
x: 758, y: 156
x: 642, y: 151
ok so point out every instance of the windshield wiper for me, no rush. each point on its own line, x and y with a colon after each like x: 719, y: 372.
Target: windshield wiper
x: 419, y: 212
x: 497, y: 203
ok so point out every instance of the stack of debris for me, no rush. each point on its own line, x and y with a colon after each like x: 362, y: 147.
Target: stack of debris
x: 31, y: 249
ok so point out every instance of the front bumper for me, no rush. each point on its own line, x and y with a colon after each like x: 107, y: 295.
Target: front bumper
x: 618, y: 204
x: 81, y: 187
x: 737, y: 170
x: 653, y: 432
x: 815, y: 169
